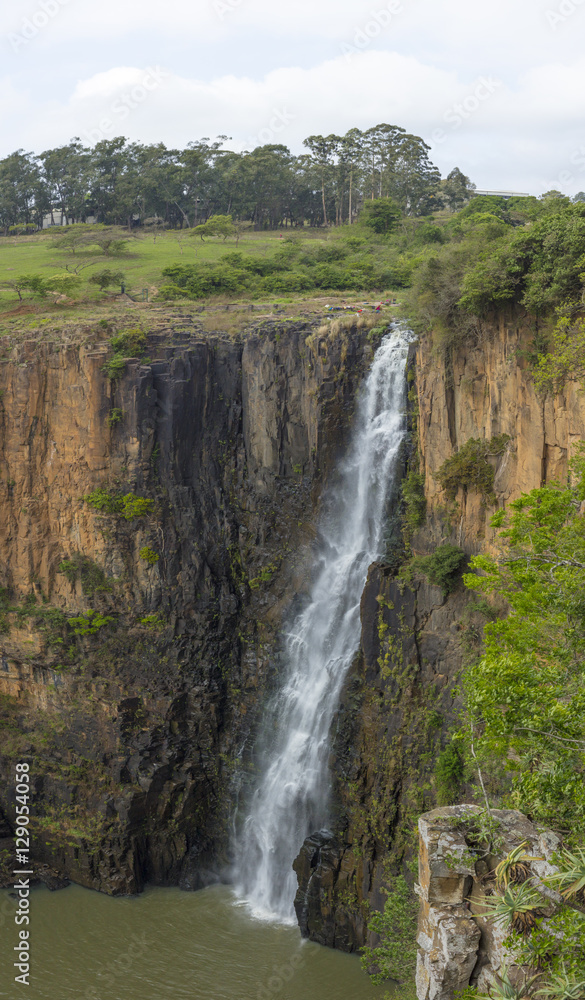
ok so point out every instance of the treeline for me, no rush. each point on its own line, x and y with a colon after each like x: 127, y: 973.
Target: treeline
x: 494, y: 254
x: 121, y: 183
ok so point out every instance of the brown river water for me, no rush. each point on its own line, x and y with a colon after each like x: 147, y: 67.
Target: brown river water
x: 168, y: 945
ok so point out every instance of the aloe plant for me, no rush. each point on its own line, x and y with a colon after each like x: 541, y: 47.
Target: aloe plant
x: 514, y: 867
x: 571, y: 878
x: 562, y: 986
x: 504, y: 989
x: 518, y: 907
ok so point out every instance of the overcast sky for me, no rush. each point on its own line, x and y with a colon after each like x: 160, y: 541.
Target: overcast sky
x: 497, y: 89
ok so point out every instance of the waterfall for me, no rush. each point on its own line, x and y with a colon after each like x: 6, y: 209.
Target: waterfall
x: 291, y: 798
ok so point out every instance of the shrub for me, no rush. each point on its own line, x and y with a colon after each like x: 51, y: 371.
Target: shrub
x: 381, y: 215
x: 133, y: 506
x: 93, y: 578
x: 115, y: 416
x: 89, y: 622
x: 469, y: 468
x: 442, y: 567
x: 115, y: 367
x: 395, y: 956
x: 415, y: 502
x: 131, y: 343
x: 149, y: 555
x: 128, y: 506
x: 153, y: 622
x: 449, y: 773
x: 103, y: 501
x: 103, y: 279
x: 168, y: 292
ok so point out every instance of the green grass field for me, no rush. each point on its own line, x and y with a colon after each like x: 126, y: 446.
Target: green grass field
x: 142, y: 265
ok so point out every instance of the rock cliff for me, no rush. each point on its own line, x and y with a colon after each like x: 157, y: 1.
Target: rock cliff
x: 140, y: 728
x: 401, y: 698
x: 136, y: 645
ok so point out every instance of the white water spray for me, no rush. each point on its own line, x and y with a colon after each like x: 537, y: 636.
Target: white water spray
x: 291, y: 799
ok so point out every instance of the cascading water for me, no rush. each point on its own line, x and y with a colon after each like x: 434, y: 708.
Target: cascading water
x: 291, y: 799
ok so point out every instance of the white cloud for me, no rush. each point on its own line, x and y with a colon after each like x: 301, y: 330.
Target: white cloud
x: 415, y: 72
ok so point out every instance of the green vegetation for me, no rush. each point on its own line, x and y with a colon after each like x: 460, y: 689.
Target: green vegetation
x: 106, y: 278
x: 415, y: 503
x: 565, y: 358
x: 296, y: 266
x: 115, y: 367
x: 92, y: 576
x: 469, y: 468
x: 128, y: 506
x: 449, y: 774
x: 153, y: 622
x: 526, y: 252
x: 115, y: 416
x: 129, y: 343
x: 126, y: 344
x: 366, y: 211
x: 546, y: 938
x: 442, y: 567
x: 526, y: 694
x: 395, y: 956
x: 381, y: 214
x: 89, y: 622
x: 149, y: 555
x: 133, y: 506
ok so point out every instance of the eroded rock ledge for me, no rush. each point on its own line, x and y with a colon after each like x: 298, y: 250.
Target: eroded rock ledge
x: 457, y: 946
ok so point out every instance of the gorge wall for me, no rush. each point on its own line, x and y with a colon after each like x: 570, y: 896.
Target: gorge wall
x: 140, y: 733
x: 401, y: 698
x: 139, y: 728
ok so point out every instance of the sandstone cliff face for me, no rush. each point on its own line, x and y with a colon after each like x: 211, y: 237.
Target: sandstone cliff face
x: 140, y: 743
x: 481, y: 391
x: 139, y: 732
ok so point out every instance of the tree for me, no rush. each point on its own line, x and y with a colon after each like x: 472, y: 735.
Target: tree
x: 66, y: 180
x: 106, y: 278
x: 456, y: 189
x: 321, y: 148
x: 217, y: 225
x: 381, y: 215
x: 27, y: 283
x: 20, y: 192
x: 351, y: 153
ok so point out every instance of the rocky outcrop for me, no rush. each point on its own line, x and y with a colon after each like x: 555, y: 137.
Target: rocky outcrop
x: 458, y: 946
x: 139, y: 727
